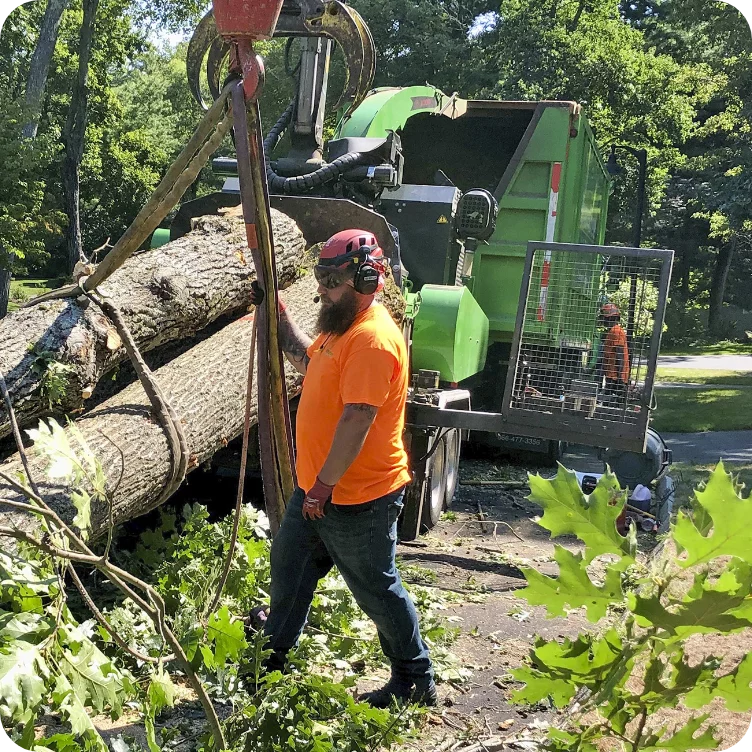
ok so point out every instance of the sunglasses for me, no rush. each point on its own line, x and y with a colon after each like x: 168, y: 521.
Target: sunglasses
x: 330, y: 278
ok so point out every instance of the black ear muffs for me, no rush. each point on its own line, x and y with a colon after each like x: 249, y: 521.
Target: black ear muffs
x: 366, y: 280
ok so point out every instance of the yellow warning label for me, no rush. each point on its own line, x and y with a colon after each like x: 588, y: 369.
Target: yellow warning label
x: 442, y: 220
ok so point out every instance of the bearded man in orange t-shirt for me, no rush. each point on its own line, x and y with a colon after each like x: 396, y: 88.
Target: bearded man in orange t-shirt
x: 351, y: 465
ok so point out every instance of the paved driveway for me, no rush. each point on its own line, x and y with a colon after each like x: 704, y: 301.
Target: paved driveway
x: 707, y: 448
x: 710, y: 362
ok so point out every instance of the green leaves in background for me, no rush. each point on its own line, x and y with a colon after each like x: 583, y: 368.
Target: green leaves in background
x: 731, y: 533
x: 640, y: 668
x: 568, y: 511
x: 573, y: 588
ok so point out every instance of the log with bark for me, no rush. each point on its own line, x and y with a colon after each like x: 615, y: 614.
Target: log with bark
x: 206, y: 388
x: 165, y: 294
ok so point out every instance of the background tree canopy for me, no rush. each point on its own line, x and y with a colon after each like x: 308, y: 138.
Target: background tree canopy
x: 670, y: 76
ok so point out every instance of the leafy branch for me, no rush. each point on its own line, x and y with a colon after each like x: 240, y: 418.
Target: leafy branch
x: 60, y: 542
x: 699, y: 582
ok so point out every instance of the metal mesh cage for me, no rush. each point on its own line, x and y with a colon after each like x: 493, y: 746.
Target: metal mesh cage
x: 586, y: 342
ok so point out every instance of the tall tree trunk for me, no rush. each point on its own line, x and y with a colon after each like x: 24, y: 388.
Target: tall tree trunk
x: 689, y: 243
x: 718, y: 285
x: 5, y: 277
x: 74, y: 135
x: 40, y: 63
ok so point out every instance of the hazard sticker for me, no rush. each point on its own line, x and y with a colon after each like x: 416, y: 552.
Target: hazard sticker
x: 442, y: 220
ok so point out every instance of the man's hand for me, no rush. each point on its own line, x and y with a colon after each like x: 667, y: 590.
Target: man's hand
x: 315, y: 499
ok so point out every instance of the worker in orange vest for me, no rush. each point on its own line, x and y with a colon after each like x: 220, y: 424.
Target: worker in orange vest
x: 614, y: 359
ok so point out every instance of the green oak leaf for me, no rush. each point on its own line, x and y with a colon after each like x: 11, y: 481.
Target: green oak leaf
x: 75, y: 712
x: 573, y: 588
x: 559, y: 669
x: 161, y: 692
x: 22, y: 681
x: 731, y: 533
x: 228, y: 636
x: 82, y: 502
x: 563, y: 741
x: 568, y: 511
x: 25, y: 626
x: 58, y: 743
x: 719, y: 605
x: 735, y: 688
x: 684, y: 738
x: 51, y: 442
x: 710, y: 613
x: 94, y: 679
x: 665, y: 685
x: 539, y: 686
x: 190, y: 641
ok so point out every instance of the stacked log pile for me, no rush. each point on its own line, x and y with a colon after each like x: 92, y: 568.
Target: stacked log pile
x: 165, y: 295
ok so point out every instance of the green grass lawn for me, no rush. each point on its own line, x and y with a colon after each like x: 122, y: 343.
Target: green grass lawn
x: 690, y: 410
x: 704, y: 376
x: 22, y: 290
x: 689, y: 476
x: 720, y: 348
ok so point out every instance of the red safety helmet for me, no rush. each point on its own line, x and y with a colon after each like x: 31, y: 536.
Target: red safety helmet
x: 361, y: 250
x: 610, y: 311
x: 347, y: 246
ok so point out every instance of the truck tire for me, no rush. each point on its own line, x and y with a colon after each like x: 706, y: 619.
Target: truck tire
x: 556, y: 451
x: 452, y: 464
x: 436, y: 487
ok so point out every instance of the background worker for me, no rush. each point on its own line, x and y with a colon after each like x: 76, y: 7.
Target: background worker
x: 614, y: 355
x: 352, y: 467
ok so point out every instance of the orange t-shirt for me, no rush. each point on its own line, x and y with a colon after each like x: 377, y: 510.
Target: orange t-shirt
x: 616, y: 339
x: 366, y: 365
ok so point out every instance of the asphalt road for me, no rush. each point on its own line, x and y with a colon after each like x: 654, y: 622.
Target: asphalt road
x: 709, y: 362
x: 707, y: 448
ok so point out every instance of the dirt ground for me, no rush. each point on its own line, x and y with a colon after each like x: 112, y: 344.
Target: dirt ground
x: 477, y: 563
x: 498, y: 629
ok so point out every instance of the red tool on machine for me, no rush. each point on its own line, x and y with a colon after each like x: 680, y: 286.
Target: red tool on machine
x: 240, y: 24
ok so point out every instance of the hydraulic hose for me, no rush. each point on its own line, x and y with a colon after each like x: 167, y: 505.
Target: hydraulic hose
x: 303, y: 183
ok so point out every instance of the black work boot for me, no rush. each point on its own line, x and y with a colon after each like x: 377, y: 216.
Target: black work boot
x: 397, y: 688
x: 403, y: 690
x: 424, y: 693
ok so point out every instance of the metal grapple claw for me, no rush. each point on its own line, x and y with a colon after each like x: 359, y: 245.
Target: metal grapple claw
x: 203, y: 38
x: 208, y: 51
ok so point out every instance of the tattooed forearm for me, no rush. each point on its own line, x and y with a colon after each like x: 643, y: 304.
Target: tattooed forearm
x: 359, y: 411
x: 294, y: 342
x: 351, y: 433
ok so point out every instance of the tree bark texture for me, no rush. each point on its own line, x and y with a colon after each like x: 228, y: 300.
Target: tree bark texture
x: 166, y: 294
x: 40, y: 63
x: 74, y: 135
x: 5, y: 278
x: 718, y: 285
x: 206, y: 388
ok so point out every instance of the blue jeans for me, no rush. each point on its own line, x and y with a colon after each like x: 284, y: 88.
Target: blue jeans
x: 361, y: 540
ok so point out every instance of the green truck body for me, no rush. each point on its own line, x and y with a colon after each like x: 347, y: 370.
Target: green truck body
x: 540, y: 161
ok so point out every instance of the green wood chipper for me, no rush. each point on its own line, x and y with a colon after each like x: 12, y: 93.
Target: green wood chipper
x: 493, y: 214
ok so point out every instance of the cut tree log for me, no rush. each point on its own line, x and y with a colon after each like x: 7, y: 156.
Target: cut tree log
x: 165, y: 294
x: 206, y: 388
